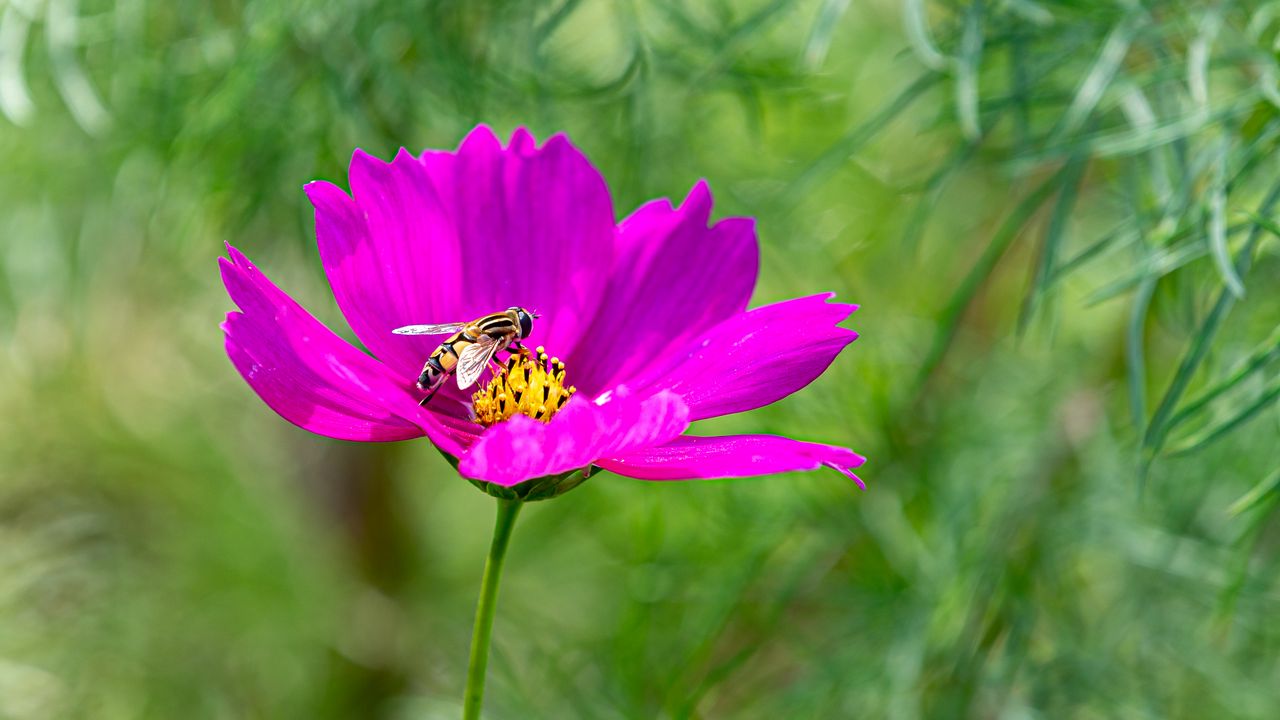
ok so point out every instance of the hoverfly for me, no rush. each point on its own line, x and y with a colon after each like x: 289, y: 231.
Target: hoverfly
x: 469, y: 349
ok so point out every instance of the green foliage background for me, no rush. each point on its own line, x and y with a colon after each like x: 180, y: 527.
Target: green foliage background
x: 1058, y: 219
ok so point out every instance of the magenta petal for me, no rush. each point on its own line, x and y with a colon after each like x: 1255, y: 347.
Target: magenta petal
x: 309, y: 375
x: 320, y: 406
x: 536, y: 228
x: 615, y: 423
x: 673, y: 279
x: 450, y: 236
x: 690, y: 457
x: 755, y: 358
x: 391, y: 256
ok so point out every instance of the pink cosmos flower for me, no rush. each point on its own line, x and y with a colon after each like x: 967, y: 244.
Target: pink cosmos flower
x: 648, y: 317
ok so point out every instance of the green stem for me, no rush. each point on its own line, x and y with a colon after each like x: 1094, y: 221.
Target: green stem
x: 507, y: 512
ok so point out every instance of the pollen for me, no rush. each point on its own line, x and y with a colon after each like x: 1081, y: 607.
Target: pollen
x: 530, y: 384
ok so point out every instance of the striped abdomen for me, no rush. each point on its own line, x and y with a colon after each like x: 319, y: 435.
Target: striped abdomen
x: 444, y: 359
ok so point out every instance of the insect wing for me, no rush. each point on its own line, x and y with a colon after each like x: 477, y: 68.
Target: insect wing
x: 473, y: 360
x: 441, y: 329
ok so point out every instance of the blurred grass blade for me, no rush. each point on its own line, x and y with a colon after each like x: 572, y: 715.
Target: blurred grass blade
x: 548, y: 27
x: 611, y: 89
x: 1095, y: 83
x: 966, y: 72
x: 62, y: 31
x: 824, y: 27
x: 1200, y: 342
x: 1120, y: 143
x: 1198, y: 58
x: 916, y: 26
x: 1259, y: 22
x: 1020, y: 89
x: 951, y: 316
x: 1269, y: 82
x: 1241, y: 416
x: 1258, y: 149
x: 732, y: 45
x: 1133, y: 102
x: 15, y: 98
x: 1156, y: 265
x: 1073, y: 174
x: 1124, y: 233
x: 1269, y: 488
x: 1260, y: 358
x: 933, y: 189
x: 1265, y: 223
x: 1135, y: 353
x: 1030, y: 12
x: 838, y: 153
x: 1217, y: 202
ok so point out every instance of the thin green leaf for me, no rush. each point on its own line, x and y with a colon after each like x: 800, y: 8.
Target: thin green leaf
x: 548, y: 27
x: 731, y: 46
x: 1255, y: 152
x: 1217, y: 202
x: 15, y: 98
x: 1259, y: 22
x: 916, y: 26
x: 1200, y: 342
x: 1244, y: 415
x: 1124, y: 233
x: 1140, y: 115
x: 1267, y: 489
x: 1265, y: 223
x: 950, y: 319
x: 1135, y: 353
x: 824, y: 27
x: 1119, y: 143
x: 1099, y: 77
x: 1031, y: 12
x: 1020, y: 88
x: 614, y: 88
x: 62, y: 34
x: 1198, y: 58
x: 838, y: 153
x: 966, y: 71
x: 1156, y: 265
x: 1260, y: 358
x: 933, y: 189
x: 1073, y: 174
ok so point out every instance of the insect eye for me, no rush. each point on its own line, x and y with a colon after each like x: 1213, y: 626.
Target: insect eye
x: 526, y: 323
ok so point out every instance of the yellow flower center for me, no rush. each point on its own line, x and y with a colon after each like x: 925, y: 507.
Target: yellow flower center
x: 531, y: 384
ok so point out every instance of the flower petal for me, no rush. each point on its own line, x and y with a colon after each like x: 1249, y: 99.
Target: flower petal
x: 615, y: 423
x: 450, y: 236
x: 756, y: 357
x: 536, y: 228
x: 301, y: 396
x: 309, y: 375
x: 673, y: 279
x: 390, y: 255
x: 690, y: 457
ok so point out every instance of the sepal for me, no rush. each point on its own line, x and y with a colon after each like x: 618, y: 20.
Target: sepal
x: 543, y: 488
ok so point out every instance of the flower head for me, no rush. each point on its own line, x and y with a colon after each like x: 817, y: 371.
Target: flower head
x: 643, y: 325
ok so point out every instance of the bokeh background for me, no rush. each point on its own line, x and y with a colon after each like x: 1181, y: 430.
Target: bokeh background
x: 1059, y: 219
